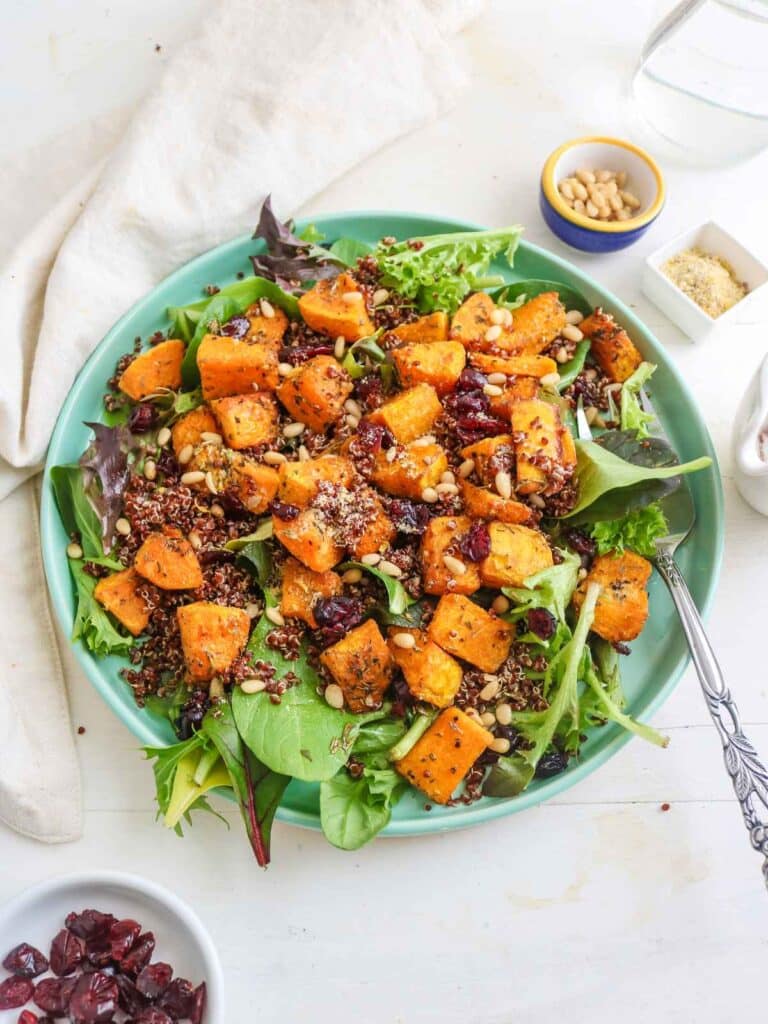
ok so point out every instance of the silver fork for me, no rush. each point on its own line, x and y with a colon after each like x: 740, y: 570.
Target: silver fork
x: 748, y: 774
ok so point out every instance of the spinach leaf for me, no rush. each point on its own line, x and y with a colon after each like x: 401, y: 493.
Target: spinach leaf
x: 92, y: 624
x: 619, y: 472
x: 349, y: 250
x: 570, y: 297
x: 353, y: 811
x: 262, y: 532
x: 411, y: 618
x: 257, y: 556
x: 508, y: 777
x: 219, y: 310
x: 398, y: 597
x: 570, y: 371
x: 77, y: 513
x: 378, y: 737
x: 633, y: 416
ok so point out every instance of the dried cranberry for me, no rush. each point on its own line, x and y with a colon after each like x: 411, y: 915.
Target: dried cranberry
x: 15, y: 991
x: 551, y: 763
x: 471, y: 380
x: 338, y: 611
x: 140, y: 954
x: 372, y: 437
x: 178, y: 1000
x: 27, y: 1017
x: 283, y: 510
x: 153, y: 1015
x: 94, y: 999
x: 192, y: 714
x: 302, y: 353
x: 237, y: 327
x: 52, y: 995
x: 476, y: 543
x: 99, y: 951
x: 25, y: 961
x: 129, y: 998
x: 468, y: 403
x: 474, y: 428
x: 143, y: 417
x: 90, y: 924
x: 580, y: 543
x: 122, y: 936
x: 541, y: 622
x: 369, y: 390
x: 403, y: 698
x: 154, y: 979
x: 621, y: 648
x: 201, y: 992
x: 67, y: 952
x: 408, y: 516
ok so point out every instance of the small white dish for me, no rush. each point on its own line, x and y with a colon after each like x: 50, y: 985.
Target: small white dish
x: 38, y: 914
x: 750, y: 442
x: 683, y: 311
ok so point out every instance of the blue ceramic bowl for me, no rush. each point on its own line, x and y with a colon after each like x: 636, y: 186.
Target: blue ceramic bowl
x: 582, y: 232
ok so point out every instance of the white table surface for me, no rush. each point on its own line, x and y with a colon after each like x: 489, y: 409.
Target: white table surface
x: 597, y: 905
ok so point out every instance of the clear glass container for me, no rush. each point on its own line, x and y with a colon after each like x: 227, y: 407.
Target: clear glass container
x: 702, y: 79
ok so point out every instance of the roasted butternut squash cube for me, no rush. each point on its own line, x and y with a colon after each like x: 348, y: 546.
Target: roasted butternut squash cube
x: 247, y: 420
x: 481, y: 503
x: 431, y: 674
x: 622, y: 605
x: 301, y: 589
x: 472, y: 319
x: 299, y: 480
x: 235, y: 366
x: 491, y: 455
x: 541, y: 430
x: 212, y: 636
x: 191, y: 426
x: 444, y: 754
x: 467, y: 631
x: 414, y: 468
x: 427, y: 328
x: 315, y: 392
x: 410, y: 414
x: 535, y: 324
x: 379, y: 530
x: 119, y: 594
x: 254, y: 484
x: 517, y: 389
x: 336, y: 307
x: 362, y: 666
x: 169, y: 561
x: 441, y: 538
x: 513, y: 365
x: 261, y: 328
x: 153, y: 370
x: 612, y: 349
x: 438, y: 363
x: 517, y: 552
x: 309, y: 539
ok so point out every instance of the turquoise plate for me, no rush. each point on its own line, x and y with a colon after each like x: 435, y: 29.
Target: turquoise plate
x: 658, y: 657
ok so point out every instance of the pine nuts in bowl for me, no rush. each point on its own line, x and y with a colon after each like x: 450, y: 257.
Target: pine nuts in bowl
x: 600, y: 194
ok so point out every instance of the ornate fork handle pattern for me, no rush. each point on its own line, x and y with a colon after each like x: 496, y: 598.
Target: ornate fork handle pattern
x: 748, y: 775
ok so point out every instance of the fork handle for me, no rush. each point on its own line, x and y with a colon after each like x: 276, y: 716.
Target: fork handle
x: 748, y: 774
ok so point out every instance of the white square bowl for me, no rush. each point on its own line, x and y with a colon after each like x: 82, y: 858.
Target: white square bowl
x: 683, y: 311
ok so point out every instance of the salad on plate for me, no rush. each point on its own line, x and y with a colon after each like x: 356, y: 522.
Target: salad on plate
x: 338, y: 521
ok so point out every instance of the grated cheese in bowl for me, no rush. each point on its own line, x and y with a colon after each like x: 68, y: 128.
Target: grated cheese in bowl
x: 706, y: 279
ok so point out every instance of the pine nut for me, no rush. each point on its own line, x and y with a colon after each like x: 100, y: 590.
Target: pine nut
x: 624, y: 214
x: 466, y: 469
x: 447, y: 489
x: 493, y: 333
x: 566, y: 189
x: 217, y: 510
x: 163, y: 436
x: 293, y: 429
x: 429, y: 494
x: 507, y: 317
x: 339, y: 347
x: 582, y: 574
x: 195, y: 539
x: 591, y: 413
x: 254, y: 385
x: 252, y: 610
x: 405, y: 640
x: 425, y: 439
x: 580, y: 192
x: 351, y: 297
x: 473, y: 714
x: 604, y: 176
x: 304, y: 455
x: 210, y: 437
x: 275, y: 615
x: 380, y: 296
x: 549, y: 380
x: 497, y: 378
x: 274, y: 458
x: 490, y: 690
x: 574, y: 316
x: 352, y: 407
x: 454, y: 565
x: 572, y: 333
x: 487, y: 719
x: 561, y: 356
x: 123, y: 527
x: 604, y: 212
x: 210, y: 482
x: 590, y: 374
x: 267, y: 309
x: 592, y: 210
x: 497, y: 316
x: 196, y: 476
x: 504, y: 714
x: 500, y: 745
x: 503, y: 483
x: 630, y: 200
x: 616, y: 204
x: 585, y: 176
x: 389, y: 568
x: 595, y: 193
x: 253, y: 685
x: 537, y: 501
x: 447, y: 477
x: 373, y: 558
x: 150, y: 469
x: 500, y: 604
x: 74, y: 550
x: 621, y: 179
x: 391, y: 454
x: 284, y: 369
x: 185, y: 454
x: 352, y: 422
x: 493, y: 390
x: 352, y: 576
x: 334, y: 695
x: 579, y: 206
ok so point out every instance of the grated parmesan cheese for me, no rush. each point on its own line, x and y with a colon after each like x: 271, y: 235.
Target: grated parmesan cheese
x: 706, y: 279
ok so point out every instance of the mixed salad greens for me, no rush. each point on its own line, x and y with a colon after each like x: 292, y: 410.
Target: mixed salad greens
x: 340, y: 524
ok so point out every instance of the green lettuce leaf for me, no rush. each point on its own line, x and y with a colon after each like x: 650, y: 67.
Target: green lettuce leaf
x: 632, y: 415
x: 638, y: 531
x: 354, y: 810
x: 551, y: 588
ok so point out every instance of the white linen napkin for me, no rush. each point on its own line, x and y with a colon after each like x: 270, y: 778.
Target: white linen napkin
x: 271, y: 96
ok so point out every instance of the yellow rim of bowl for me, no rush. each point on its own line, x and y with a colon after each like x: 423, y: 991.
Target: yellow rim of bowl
x: 557, y: 202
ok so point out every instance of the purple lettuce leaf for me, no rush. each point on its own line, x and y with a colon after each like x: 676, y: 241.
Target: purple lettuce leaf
x: 105, y: 475
x: 289, y: 260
